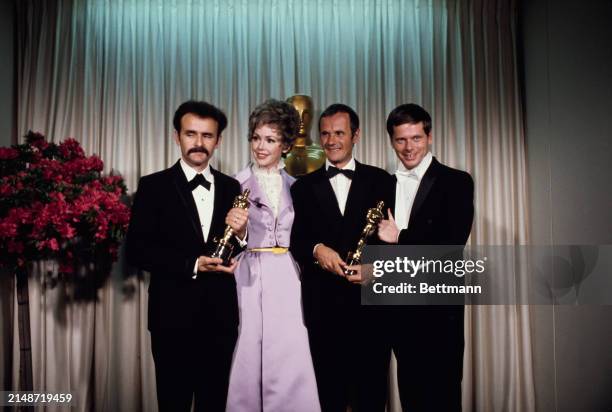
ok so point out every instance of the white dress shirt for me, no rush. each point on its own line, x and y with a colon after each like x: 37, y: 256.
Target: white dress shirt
x: 341, y: 184
x: 408, y: 182
x: 204, y: 199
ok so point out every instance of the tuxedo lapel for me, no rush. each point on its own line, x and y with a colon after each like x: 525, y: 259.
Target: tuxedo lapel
x: 218, y: 219
x: 325, y: 195
x: 428, y: 180
x: 394, y: 196
x: 182, y: 189
x: 356, y: 196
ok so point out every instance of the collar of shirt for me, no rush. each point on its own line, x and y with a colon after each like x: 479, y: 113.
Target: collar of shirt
x: 271, y: 171
x: 416, y: 172
x: 341, y: 184
x: 190, y: 172
x: 349, y: 166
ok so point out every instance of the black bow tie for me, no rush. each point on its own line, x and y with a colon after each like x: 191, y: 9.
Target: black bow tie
x: 198, y: 180
x: 333, y: 171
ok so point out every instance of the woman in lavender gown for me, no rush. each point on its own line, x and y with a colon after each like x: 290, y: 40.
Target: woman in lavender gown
x: 272, y: 368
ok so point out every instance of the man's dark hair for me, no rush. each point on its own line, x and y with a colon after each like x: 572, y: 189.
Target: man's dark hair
x: 200, y: 109
x: 341, y: 108
x: 408, y: 113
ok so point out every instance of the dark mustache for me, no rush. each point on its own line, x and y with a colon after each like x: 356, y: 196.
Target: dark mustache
x: 198, y: 150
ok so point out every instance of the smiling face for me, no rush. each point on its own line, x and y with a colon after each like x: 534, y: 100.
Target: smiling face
x: 337, y: 139
x: 410, y: 143
x: 197, y: 139
x: 267, y: 146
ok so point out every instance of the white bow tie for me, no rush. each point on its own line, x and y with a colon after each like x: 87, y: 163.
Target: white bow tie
x: 406, y: 174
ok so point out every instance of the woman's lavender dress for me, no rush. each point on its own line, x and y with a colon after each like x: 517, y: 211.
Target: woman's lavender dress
x: 272, y: 368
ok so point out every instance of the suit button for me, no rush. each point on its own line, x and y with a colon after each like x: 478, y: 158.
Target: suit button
x: 429, y: 221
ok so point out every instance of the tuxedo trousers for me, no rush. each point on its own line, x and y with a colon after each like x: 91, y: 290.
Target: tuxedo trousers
x: 192, y: 365
x: 428, y: 343
x: 350, y: 360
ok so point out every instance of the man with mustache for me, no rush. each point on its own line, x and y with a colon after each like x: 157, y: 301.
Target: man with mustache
x: 193, y: 311
x: 434, y: 205
x: 330, y: 205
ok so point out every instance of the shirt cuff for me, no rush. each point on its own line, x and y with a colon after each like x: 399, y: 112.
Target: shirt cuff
x: 314, y: 249
x: 195, y: 270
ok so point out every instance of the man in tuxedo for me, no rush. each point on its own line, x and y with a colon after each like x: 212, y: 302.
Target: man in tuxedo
x: 433, y: 206
x: 330, y: 205
x: 193, y: 312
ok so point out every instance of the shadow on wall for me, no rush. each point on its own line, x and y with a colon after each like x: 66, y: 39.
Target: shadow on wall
x: 570, y: 266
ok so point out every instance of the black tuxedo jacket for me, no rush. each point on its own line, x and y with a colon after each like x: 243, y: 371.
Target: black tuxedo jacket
x: 165, y: 238
x: 443, y: 208
x: 318, y: 220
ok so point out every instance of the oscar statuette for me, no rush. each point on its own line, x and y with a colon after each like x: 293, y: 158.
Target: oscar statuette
x: 374, y: 216
x: 224, y: 247
x: 305, y: 156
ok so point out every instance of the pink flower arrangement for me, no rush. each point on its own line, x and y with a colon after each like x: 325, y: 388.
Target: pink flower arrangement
x: 55, y: 203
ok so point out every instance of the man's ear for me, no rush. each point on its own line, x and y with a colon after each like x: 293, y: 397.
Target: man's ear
x: 218, y: 140
x: 429, y: 138
x: 175, y: 135
x: 356, y: 136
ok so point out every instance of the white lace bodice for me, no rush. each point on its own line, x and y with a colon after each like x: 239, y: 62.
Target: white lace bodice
x: 271, y: 183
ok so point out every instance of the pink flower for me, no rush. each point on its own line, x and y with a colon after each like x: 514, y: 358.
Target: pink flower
x: 51, y: 244
x: 71, y: 149
x: 37, y: 140
x: 66, y: 267
x: 95, y: 163
x: 65, y: 230
x: 8, y: 153
x: 6, y: 190
x: 20, y: 215
x: 8, y: 229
